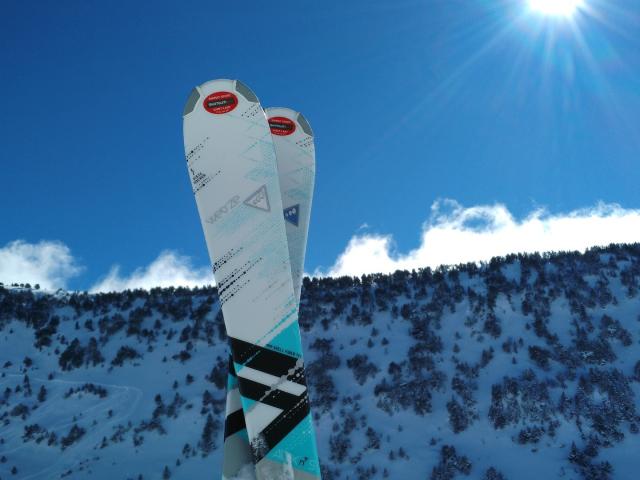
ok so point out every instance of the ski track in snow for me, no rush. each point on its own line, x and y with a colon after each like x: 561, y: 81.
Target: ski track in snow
x: 69, y: 461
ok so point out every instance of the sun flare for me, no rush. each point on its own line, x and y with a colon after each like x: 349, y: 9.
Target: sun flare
x: 557, y: 8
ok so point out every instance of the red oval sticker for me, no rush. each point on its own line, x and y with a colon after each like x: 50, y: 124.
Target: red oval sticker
x: 281, y: 126
x: 220, y: 102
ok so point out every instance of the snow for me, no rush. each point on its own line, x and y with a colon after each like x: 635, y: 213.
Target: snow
x: 436, y: 348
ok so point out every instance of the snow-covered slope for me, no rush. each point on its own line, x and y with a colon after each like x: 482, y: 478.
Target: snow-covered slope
x: 525, y: 368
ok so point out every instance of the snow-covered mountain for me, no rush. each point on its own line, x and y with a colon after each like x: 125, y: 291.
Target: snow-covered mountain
x: 527, y: 367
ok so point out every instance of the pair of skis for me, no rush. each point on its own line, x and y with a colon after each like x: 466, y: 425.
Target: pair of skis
x: 253, y: 182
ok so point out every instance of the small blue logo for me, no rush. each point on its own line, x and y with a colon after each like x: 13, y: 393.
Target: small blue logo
x: 292, y: 214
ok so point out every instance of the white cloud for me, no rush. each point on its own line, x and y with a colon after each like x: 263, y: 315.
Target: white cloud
x: 169, y: 269
x: 454, y: 234
x: 49, y: 264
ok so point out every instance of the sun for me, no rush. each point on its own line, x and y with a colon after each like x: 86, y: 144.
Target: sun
x: 556, y: 8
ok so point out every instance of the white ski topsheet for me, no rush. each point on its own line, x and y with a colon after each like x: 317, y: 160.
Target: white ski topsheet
x: 233, y: 172
x: 295, y: 152
x: 295, y: 155
x: 232, y: 165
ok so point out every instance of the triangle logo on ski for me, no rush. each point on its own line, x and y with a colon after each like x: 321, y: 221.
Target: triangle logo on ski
x: 259, y: 199
x: 291, y: 214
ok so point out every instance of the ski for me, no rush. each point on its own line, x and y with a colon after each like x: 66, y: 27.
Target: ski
x: 295, y: 152
x: 295, y: 156
x: 232, y: 166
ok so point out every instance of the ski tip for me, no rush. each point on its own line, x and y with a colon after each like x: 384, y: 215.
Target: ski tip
x: 246, y: 92
x: 191, y: 102
x: 291, y: 114
x: 234, y: 85
x: 220, y: 84
x: 281, y: 111
x: 306, y: 128
x: 217, y: 84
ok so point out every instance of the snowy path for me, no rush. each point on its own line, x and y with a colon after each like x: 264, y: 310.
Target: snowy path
x: 123, y: 399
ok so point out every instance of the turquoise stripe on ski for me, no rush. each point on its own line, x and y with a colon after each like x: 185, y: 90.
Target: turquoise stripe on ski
x: 247, y: 403
x: 301, y: 444
x: 288, y: 341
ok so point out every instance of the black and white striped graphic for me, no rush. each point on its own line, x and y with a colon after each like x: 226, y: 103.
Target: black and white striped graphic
x: 234, y: 421
x: 276, y: 382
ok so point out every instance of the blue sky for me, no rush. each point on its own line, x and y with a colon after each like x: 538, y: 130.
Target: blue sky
x: 499, y: 108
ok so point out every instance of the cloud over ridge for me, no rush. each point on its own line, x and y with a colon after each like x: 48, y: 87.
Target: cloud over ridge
x: 168, y: 270
x: 454, y: 234
x: 49, y: 264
